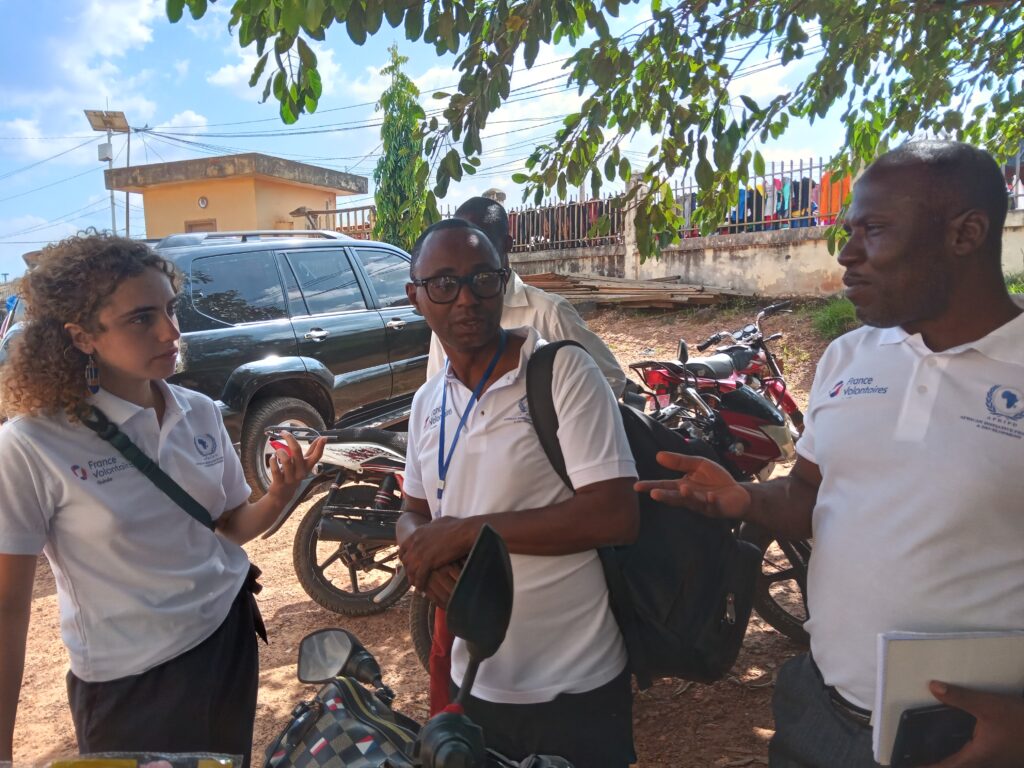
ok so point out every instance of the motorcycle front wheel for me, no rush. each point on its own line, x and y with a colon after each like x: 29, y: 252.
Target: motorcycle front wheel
x: 780, y: 594
x: 353, y: 578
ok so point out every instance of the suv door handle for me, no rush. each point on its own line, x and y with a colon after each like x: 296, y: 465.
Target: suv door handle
x: 317, y: 334
x: 396, y: 324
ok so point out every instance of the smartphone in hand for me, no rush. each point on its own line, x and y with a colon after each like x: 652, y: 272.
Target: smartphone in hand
x: 926, y: 735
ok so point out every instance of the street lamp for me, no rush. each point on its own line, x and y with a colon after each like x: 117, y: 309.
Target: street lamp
x: 111, y: 122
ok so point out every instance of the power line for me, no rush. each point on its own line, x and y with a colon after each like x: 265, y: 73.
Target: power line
x: 47, y: 159
x: 51, y: 184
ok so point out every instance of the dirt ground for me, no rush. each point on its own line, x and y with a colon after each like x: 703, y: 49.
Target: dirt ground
x: 676, y: 724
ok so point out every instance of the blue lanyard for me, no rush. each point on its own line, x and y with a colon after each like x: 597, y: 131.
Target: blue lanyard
x: 444, y: 461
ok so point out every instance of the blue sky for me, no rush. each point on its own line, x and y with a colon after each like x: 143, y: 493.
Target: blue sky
x: 189, y: 81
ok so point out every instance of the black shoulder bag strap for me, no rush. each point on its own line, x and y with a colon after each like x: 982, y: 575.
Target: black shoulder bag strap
x: 106, y: 429
x: 539, y: 377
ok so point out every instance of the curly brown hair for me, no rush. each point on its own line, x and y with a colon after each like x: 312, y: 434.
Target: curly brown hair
x: 69, y: 283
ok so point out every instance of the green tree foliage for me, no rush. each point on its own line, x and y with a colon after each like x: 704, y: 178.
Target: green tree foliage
x: 401, y: 173
x: 891, y: 68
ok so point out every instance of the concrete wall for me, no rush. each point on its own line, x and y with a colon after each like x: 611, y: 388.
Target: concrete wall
x: 231, y: 203
x: 607, y: 260
x: 789, y: 262
x: 275, y: 200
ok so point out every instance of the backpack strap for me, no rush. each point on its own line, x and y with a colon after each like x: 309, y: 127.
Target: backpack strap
x: 108, y: 430
x: 539, y: 376
x: 540, y: 402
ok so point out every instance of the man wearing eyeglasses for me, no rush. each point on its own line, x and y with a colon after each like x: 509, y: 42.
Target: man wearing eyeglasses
x: 559, y: 684
x: 552, y: 315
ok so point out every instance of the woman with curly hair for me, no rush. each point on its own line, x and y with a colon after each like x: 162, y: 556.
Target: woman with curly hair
x: 156, y: 608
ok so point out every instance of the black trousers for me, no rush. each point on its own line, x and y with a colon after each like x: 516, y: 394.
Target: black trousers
x: 591, y: 730
x: 201, y: 701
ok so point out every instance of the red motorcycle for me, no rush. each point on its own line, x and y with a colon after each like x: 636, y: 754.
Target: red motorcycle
x: 751, y: 436
x: 754, y: 362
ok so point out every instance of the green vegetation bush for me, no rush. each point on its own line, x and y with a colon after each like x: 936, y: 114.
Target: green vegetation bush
x: 1015, y: 282
x: 835, y: 318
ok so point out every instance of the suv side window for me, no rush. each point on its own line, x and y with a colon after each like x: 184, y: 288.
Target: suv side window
x: 388, y: 273
x: 327, y: 280
x: 238, y: 287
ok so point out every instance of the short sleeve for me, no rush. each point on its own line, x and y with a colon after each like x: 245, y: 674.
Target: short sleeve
x: 236, y: 489
x: 562, y: 321
x: 413, y: 485
x: 590, y: 427
x: 822, y: 373
x: 26, y: 502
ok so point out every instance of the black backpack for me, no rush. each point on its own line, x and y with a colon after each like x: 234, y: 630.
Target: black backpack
x: 683, y: 591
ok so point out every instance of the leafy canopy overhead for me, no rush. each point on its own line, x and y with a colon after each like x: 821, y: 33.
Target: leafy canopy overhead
x: 401, y: 173
x: 891, y: 68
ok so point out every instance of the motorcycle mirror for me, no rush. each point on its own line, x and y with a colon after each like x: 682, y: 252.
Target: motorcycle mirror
x: 329, y: 653
x: 324, y: 654
x: 480, y: 607
x: 682, y: 351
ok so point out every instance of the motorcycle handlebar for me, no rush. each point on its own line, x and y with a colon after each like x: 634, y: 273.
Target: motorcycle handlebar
x: 712, y: 339
x: 775, y: 308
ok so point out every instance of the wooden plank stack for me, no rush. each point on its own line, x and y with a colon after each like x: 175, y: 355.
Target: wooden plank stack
x: 616, y: 291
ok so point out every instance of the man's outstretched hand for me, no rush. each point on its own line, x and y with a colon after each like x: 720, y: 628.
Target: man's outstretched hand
x: 706, y: 487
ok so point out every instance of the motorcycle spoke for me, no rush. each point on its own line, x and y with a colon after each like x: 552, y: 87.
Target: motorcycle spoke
x: 789, y: 574
x: 335, y: 556
x: 353, y: 577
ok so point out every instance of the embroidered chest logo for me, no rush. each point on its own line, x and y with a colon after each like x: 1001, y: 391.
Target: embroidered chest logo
x: 522, y: 413
x: 1006, y: 402
x: 1005, y: 408
x: 101, y: 470
x: 434, y: 418
x: 857, y: 386
x: 206, y: 445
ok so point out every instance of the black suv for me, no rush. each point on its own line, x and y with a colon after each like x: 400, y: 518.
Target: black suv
x: 296, y: 328
x: 299, y: 328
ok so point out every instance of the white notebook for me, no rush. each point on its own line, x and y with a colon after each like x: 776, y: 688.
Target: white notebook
x: 907, y: 661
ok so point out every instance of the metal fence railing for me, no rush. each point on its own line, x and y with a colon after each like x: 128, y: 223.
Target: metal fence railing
x: 787, y: 196
x: 356, y: 222
x: 560, y: 225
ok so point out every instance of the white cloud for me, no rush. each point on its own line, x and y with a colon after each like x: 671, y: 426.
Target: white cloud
x: 88, y: 75
x: 181, y: 67
x: 213, y: 25
x: 235, y: 77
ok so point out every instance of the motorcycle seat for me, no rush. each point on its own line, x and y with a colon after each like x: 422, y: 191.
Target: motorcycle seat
x: 718, y: 366
x: 396, y: 441
x: 741, y: 355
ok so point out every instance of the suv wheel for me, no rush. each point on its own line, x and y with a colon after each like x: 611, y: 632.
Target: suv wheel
x: 256, y: 450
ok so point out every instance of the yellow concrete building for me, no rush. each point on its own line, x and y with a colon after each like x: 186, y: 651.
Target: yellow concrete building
x: 234, y: 192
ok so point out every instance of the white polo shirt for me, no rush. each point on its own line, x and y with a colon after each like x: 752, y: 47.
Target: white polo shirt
x: 138, y: 580
x: 555, y: 319
x: 562, y: 637
x: 919, y: 523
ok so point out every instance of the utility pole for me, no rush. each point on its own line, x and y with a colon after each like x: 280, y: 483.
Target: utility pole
x: 111, y: 122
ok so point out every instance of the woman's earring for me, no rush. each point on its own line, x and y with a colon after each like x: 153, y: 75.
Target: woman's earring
x: 92, y: 375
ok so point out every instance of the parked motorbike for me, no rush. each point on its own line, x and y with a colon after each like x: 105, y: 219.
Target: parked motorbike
x: 755, y: 363
x: 347, y: 725
x: 749, y: 432
x: 345, y: 555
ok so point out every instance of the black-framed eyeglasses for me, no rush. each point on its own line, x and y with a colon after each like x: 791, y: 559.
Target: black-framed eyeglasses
x: 444, y: 289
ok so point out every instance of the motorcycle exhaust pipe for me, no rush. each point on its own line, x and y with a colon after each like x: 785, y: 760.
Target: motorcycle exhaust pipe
x: 355, y: 531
